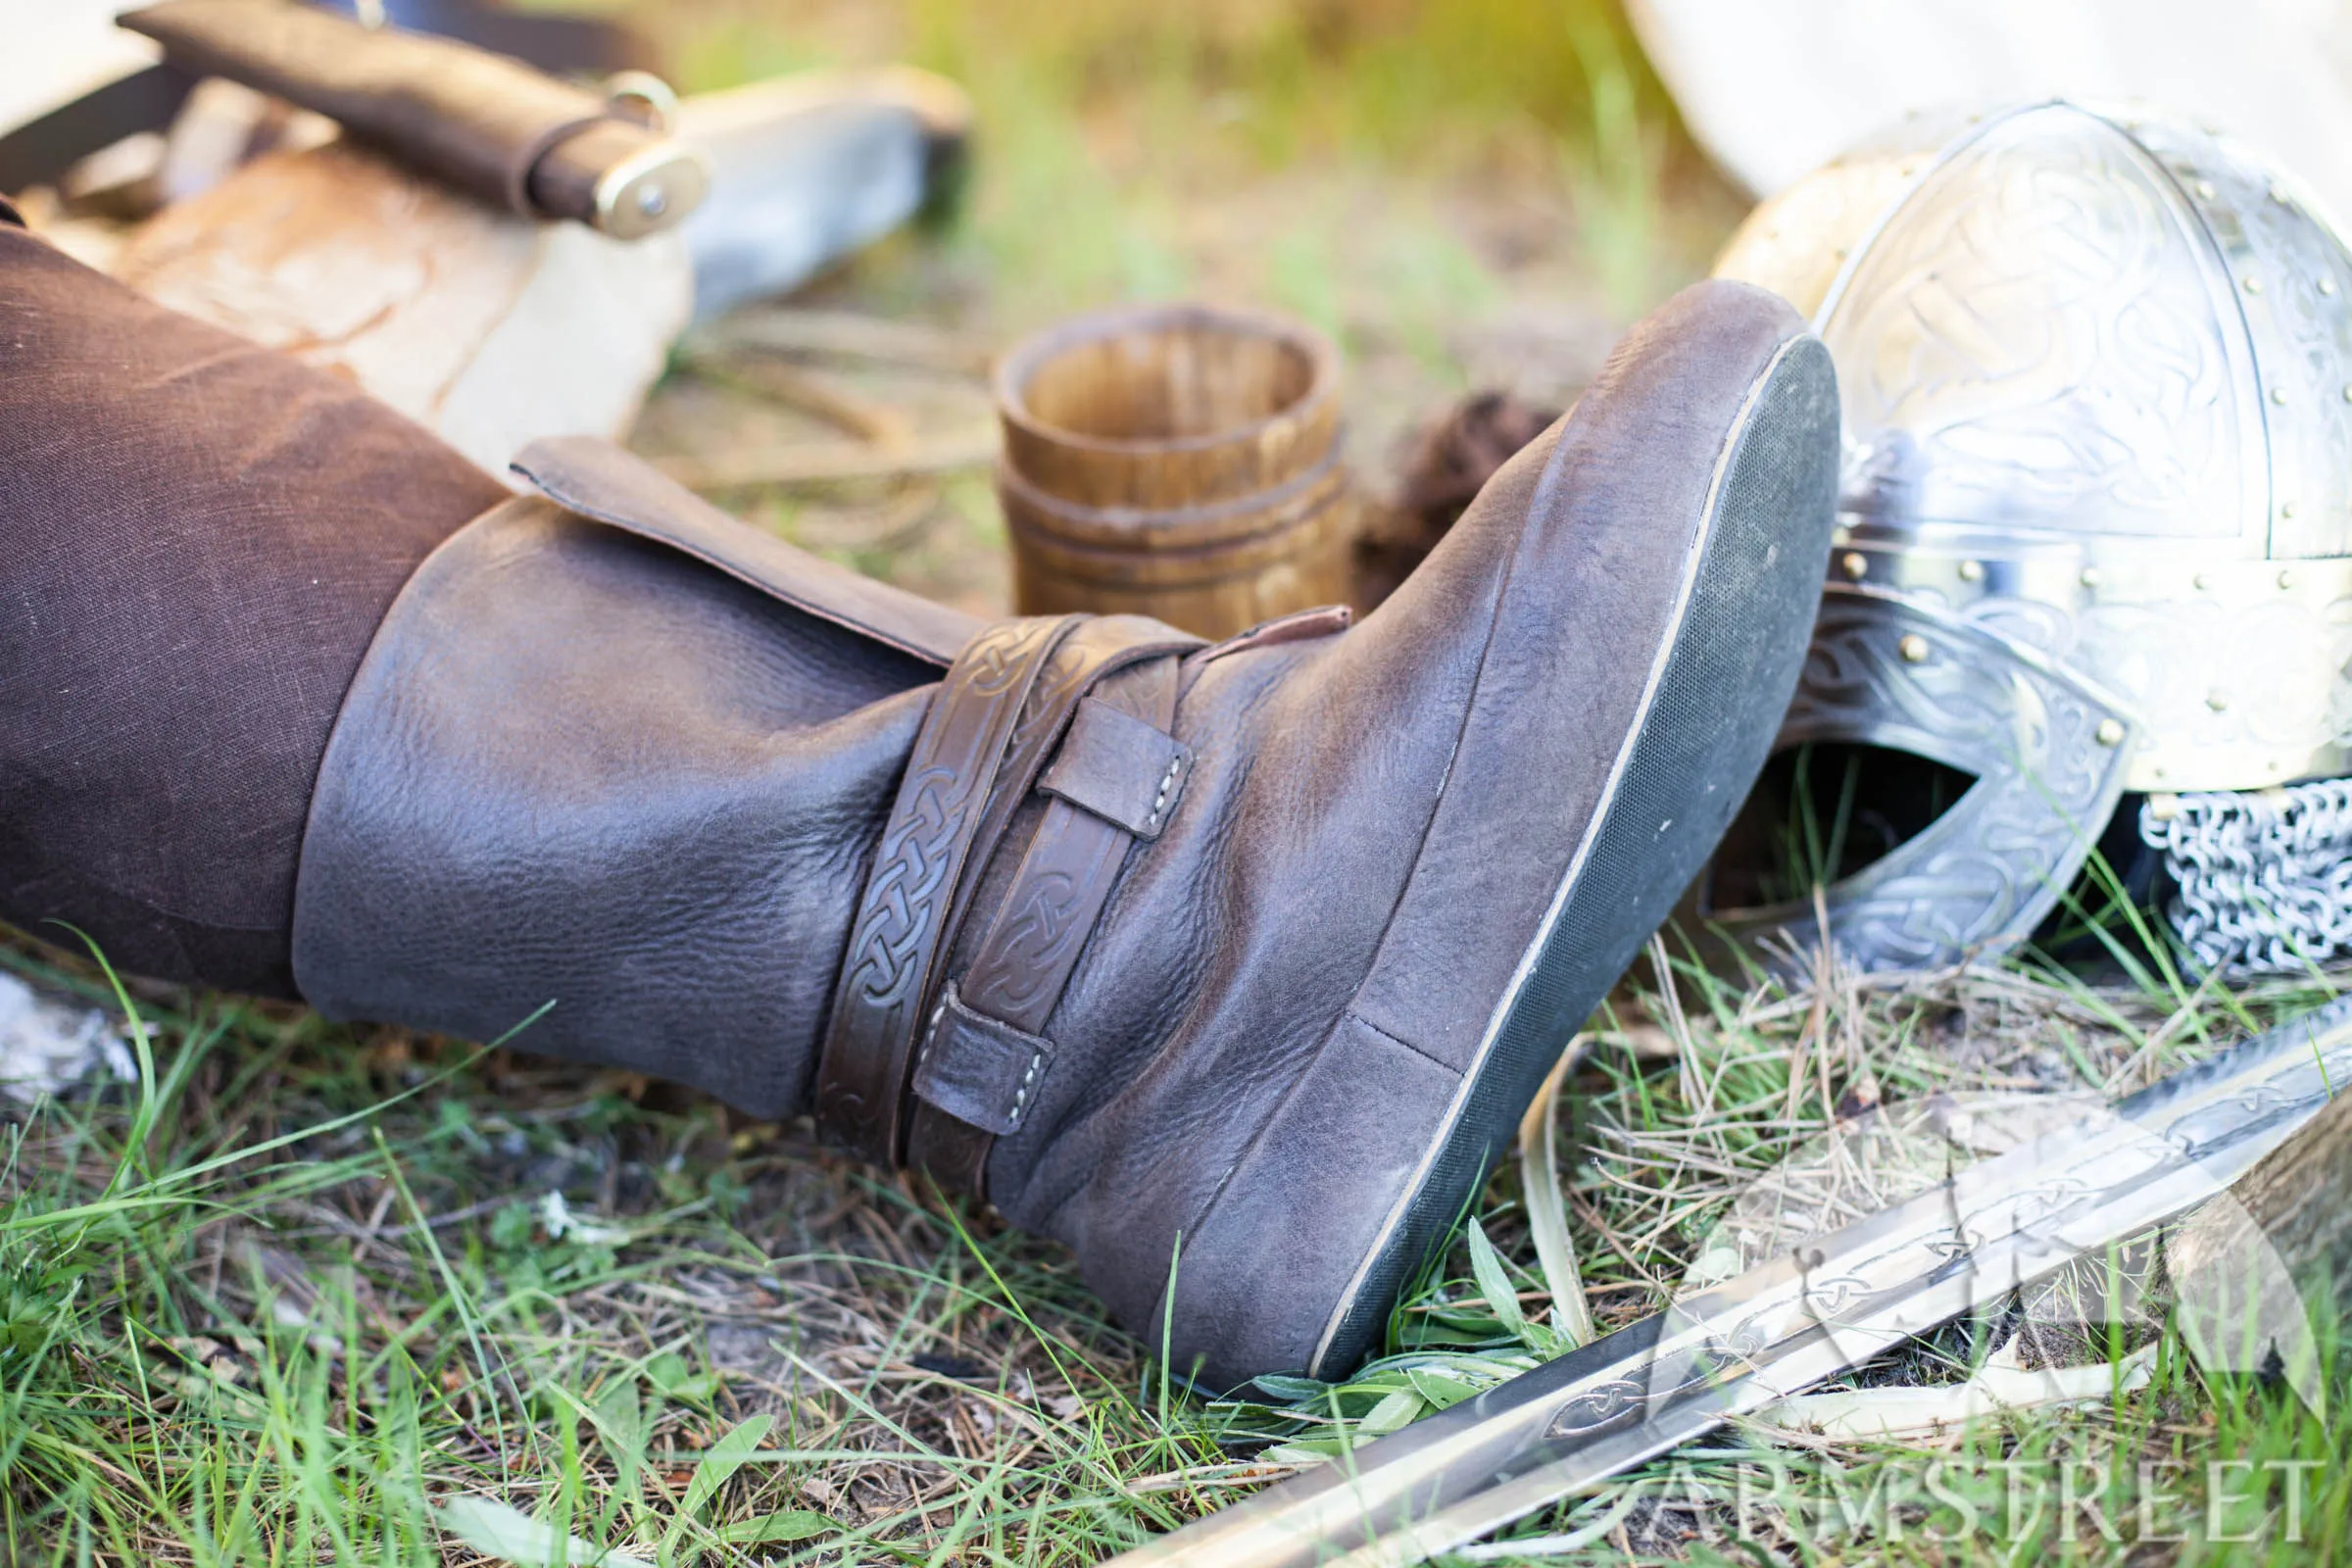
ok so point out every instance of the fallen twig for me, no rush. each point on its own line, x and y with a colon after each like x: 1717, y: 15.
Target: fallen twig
x: 834, y: 463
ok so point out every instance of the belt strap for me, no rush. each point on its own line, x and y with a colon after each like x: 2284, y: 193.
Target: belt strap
x: 984, y: 1052
x: 901, y: 927
x: 1006, y: 702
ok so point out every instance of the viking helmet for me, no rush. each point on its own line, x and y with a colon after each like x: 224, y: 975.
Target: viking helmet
x: 2096, y: 522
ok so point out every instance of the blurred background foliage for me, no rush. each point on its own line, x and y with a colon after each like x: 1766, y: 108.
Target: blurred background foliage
x: 1288, y: 151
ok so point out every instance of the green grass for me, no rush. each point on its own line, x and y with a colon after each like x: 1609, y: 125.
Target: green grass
x: 1111, y: 134
x: 299, y: 1294
x: 284, y: 1299
x: 295, y: 1292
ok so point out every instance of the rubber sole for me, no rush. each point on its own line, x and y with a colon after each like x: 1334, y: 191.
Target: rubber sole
x: 1708, y: 720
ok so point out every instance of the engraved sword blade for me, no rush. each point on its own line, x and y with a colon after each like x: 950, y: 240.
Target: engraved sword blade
x: 1821, y: 1309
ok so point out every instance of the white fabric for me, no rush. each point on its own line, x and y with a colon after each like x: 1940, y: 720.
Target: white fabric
x: 1775, y: 88
x: 57, y: 50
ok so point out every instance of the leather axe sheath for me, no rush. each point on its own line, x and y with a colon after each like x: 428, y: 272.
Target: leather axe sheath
x: 486, y: 123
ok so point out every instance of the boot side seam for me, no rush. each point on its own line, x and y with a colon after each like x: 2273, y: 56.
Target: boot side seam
x: 1398, y: 1040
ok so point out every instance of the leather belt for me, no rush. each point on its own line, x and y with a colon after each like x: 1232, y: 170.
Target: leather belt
x: 970, y: 1054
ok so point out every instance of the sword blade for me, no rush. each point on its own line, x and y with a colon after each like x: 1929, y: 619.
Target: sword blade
x: 1822, y: 1310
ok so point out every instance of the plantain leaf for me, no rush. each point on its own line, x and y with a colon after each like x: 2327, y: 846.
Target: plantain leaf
x: 1495, y: 1281
x: 1297, y: 1391
x: 776, y: 1529
x: 492, y: 1528
x: 1442, y: 1390
x: 1391, y: 1413
x: 722, y: 1459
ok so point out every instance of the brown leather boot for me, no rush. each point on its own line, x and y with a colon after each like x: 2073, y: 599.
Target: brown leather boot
x: 1242, y: 959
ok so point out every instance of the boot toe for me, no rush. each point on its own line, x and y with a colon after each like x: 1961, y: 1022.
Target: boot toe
x: 1649, y: 573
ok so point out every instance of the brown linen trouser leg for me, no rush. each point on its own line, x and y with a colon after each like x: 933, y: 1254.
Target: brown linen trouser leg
x: 198, y: 537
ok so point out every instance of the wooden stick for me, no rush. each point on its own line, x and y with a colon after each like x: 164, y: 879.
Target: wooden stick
x: 841, y: 334
x: 2301, y: 1196
x: 834, y: 463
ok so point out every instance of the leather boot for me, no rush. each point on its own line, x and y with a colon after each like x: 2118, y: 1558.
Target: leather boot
x: 1231, y: 966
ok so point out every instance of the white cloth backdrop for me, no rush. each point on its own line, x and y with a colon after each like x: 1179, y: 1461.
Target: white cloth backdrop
x: 1773, y: 88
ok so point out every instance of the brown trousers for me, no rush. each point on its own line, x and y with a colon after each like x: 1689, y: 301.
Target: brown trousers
x: 198, y: 537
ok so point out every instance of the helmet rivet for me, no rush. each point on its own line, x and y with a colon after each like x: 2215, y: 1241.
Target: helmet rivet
x: 2286, y: 579
x: 2110, y: 732
x: 2090, y: 577
x: 2279, y: 194
x: 2217, y: 700
x: 2205, y: 190
x: 1974, y: 570
x: 2278, y: 395
x: 1855, y: 565
x: 2203, y: 580
x: 2286, y: 509
x: 2253, y: 285
x: 1913, y: 648
x: 2326, y: 285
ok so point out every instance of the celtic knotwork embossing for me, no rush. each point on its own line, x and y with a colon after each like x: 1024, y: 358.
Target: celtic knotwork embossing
x: 1888, y: 671
x: 1032, y: 940
x: 991, y: 665
x: 896, y: 939
x: 1027, y: 952
x: 903, y: 893
x: 945, y: 780
x: 1096, y: 647
x: 2293, y: 280
x: 2033, y: 334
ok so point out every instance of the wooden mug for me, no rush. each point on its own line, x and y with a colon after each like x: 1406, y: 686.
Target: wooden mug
x: 1175, y: 461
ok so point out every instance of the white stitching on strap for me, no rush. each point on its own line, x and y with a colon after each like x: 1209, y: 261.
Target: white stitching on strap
x: 1037, y: 1059
x: 1167, y: 782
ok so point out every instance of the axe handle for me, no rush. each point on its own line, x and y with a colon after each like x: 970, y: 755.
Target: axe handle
x: 2301, y: 1196
x: 487, y: 124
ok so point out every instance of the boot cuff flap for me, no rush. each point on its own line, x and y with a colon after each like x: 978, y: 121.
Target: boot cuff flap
x: 599, y: 480
x: 1122, y: 769
x: 978, y: 1070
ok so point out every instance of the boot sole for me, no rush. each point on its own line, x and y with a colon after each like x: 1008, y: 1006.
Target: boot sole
x: 1755, y: 573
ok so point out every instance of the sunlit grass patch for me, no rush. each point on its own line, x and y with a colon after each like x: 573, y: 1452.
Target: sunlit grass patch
x: 300, y: 1292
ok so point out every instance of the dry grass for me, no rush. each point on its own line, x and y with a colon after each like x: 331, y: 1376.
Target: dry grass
x: 301, y: 1286
x: 323, y: 1289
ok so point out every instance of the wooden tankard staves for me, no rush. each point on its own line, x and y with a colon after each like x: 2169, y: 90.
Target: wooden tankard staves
x: 1180, y: 462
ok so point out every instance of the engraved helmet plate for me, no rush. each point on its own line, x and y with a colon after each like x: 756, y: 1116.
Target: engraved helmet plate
x: 2096, y: 373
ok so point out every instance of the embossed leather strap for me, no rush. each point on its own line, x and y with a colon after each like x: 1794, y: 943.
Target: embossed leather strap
x: 1096, y: 647
x: 984, y: 1052
x: 1007, y: 703
x: 902, y: 922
